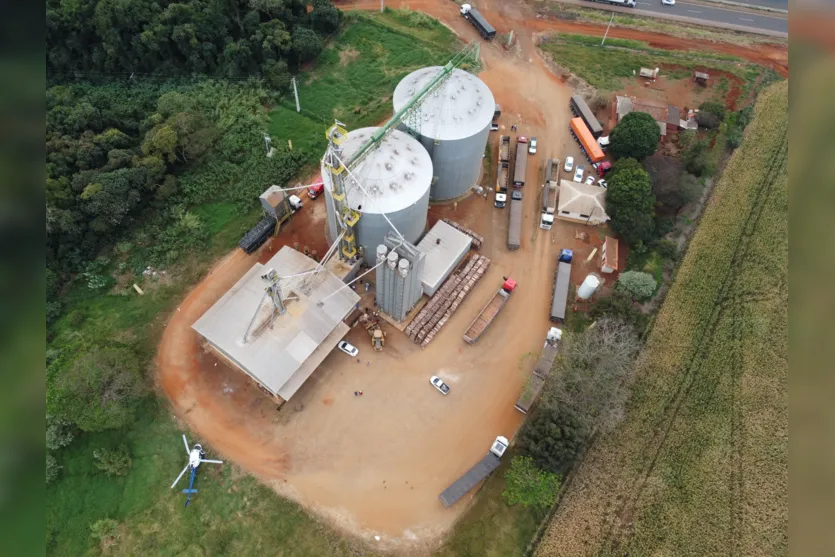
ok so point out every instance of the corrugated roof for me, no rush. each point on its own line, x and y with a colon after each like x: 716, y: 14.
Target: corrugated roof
x: 625, y: 105
x: 612, y: 252
x: 582, y: 199
x: 441, y: 258
x: 282, y: 357
x: 673, y: 115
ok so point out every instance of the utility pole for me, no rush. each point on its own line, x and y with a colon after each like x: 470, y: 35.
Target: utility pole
x: 296, y: 93
x: 606, y: 34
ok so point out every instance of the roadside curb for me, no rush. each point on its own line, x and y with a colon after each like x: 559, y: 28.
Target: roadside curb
x: 749, y: 6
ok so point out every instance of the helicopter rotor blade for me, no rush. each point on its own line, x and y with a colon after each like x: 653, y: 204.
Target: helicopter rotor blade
x: 185, y: 442
x: 212, y: 461
x: 180, y: 476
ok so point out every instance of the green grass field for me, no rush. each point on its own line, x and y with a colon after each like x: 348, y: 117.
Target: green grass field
x: 606, y: 67
x: 355, y: 77
x: 700, y: 466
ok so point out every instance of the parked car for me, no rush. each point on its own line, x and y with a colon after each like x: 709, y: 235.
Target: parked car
x: 578, y: 174
x: 494, y: 127
x: 569, y: 164
x: 348, y: 348
x: 439, y: 384
x: 602, y: 183
x: 668, y: 2
x: 532, y: 147
x: 590, y: 180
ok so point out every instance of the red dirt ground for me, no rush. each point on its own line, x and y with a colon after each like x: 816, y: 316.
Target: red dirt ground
x: 374, y: 465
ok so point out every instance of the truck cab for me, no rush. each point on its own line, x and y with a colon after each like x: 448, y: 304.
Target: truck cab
x: 295, y: 203
x: 546, y: 221
x: 501, y: 201
x: 499, y: 446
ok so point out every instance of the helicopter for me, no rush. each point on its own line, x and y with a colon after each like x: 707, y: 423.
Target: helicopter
x: 195, y: 457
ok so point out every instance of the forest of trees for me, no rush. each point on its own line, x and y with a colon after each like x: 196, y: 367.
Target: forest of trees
x: 134, y: 128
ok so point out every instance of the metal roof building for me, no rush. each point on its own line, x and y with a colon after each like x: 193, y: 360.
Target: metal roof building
x: 282, y: 357
x: 397, y: 176
x: 444, y: 247
x: 453, y: 125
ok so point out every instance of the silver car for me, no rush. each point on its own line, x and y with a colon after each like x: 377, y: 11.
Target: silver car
x: 439, y: 384
x: 348, y: 348
x: 578, y: 174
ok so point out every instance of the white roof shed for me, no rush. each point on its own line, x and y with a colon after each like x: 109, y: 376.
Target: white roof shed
x: 444, y: 247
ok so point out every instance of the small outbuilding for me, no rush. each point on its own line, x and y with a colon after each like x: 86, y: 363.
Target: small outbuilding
x: 609, y: 255
x: 444, y: 247
x: 582, y: 203
x: 701, y: 78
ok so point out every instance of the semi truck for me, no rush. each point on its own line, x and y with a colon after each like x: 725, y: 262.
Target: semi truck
x: 588, y: 144
x: 477, y: 20
x: 514, y: 227
x: 520, y: 163
x: 489, y: 312
x: 550, y: 193
x: 541, y: 372
x: 504, y: 148
x: 474, y: 475
x: 562, y: 280
x: 580, y: 108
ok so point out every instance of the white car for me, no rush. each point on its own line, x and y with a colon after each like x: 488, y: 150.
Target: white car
x: 602, y: 183
x: 590, y: 180
x: 668, y: 2
x: 439, y: 384
x: 578, y: 174
x: 532, y: 146
x: 569, y: 164
x: 348, y: 348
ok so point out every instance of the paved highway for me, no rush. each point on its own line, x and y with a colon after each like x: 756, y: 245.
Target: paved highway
x: 716, y: 14
x: 776, y: 4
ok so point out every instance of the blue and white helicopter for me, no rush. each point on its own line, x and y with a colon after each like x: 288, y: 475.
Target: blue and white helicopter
x: 195, y: 457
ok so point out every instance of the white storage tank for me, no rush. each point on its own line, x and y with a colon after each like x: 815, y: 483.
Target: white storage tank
x: 454, y: 125
x: 589, y: 287
x: 396, y: 176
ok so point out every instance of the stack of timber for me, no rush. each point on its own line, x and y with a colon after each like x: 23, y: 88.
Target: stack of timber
x: 443, y: 304
x: 477, y: 240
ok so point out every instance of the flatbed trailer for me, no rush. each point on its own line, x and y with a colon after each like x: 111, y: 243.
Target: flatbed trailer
x: 489, y: 312
x: 541, y: 372
x: 476, y: 474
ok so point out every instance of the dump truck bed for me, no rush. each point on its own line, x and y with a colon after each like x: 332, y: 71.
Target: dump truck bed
x: 486, y: 316
x: 521, y: 164
x: 514, y: 228
x: 504, y: 148
x: 501, y: 180
x: 465, y: 483
x: 541, y: 372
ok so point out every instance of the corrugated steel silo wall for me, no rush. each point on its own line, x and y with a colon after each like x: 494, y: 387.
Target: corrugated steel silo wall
x: 457, y: 163
x: 372, y: 228
x: 333, y: 229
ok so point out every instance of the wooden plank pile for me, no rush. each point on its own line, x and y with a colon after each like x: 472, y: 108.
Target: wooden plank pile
x: 477, y: 240
x: 443, y: 304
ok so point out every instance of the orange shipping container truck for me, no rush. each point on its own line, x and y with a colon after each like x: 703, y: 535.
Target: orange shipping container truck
x: 586, y: 140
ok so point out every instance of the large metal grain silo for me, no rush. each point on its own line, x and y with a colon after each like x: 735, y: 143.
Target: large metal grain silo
x: 396, y: 177
x: 454, y: 125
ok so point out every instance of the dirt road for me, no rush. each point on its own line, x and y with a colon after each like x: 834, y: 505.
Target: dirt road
x: 374, y: 465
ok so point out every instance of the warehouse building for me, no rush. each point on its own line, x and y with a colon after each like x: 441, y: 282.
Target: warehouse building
x: 279, y: 351
x: 444, y: 247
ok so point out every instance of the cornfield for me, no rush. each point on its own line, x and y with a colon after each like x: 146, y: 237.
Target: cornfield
x: 700, y: 466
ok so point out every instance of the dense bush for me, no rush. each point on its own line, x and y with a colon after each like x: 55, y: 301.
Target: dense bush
x: 52, y: 468
x: 113, y: 462
x: 641, y: 286
x: 636, y: 136
x: 630, y: 203
x: 553, y: 437
x: 59, y: 432
x: 100, y: 388
x: 619, y: 306
x: 529, y: 486
x: 695, y: 158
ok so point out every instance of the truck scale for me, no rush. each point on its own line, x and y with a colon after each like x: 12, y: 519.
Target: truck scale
x: 474, y: 475
x: 489, y: 312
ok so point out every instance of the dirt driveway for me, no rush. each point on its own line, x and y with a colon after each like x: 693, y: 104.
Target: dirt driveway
x: 374, y: 465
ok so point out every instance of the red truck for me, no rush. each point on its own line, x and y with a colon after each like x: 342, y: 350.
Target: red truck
x: 315, y: 190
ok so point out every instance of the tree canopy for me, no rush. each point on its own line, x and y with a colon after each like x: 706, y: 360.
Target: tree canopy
x: 630, y: 202
x: 636, y: 136
x: 236, y: 38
